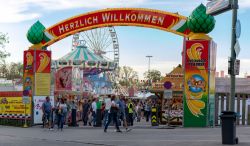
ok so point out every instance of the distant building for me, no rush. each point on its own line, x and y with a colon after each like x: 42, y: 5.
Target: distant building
x: 217, y: 74
x: 222, y: 74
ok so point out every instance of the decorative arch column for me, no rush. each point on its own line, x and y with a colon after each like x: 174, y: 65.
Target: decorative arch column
x: 199, y: 71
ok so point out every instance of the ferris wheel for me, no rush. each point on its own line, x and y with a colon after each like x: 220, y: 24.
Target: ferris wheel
x: 103, y: 42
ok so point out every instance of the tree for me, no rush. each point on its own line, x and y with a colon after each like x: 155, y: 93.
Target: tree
x: 11, y: 71
x: 3, y: 70
x: 3, y: 54
x: 127, y: 76
x: 153, y: 75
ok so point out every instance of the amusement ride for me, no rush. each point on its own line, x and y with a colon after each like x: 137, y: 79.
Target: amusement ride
x: 90, y: 65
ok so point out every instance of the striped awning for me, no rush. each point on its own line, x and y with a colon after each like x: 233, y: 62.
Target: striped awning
x: 82, y: 53
x: 85, y: 59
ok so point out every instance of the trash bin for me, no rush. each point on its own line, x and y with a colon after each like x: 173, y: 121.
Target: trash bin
x: 228, y: 127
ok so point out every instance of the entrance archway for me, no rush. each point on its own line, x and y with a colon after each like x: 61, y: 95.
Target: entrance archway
x: 198, y: 52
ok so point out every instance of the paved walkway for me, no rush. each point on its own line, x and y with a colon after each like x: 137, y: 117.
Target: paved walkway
x: 141, y: 135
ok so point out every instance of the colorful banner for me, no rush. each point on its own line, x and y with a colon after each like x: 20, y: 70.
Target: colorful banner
x: 28, y: 61
x: 64, y: 79
x: 13, y: 108
x: 28, y: 81
x: 197, y: 56
x: 195, y: 98
x: 118, y: 17
x: 38, y: 102
x: 43, y: 61
x: 196, y: 83
x: 42, y: 82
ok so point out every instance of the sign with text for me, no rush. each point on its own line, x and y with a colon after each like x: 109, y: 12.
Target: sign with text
x: 168, y: 94
x: 237, y: 67
x: 42, y: 81
x: 119, y: 17
x: 216, y: 7
x: 38, y: 102
x: 13, y: 106
x: 197, y: 54
x: 26, y: 99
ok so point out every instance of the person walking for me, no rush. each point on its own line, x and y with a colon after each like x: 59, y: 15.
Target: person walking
x: 85, y: 112
x: 131, y: 112
x: 147, y: 110
x: 47, y: 113
x: 73, y: 113
x: 138, y: 111
x: 122, y: 107
x: 62, y: 110
x: 94, y: 110
x: 113, y: 115
x: 107, y: 102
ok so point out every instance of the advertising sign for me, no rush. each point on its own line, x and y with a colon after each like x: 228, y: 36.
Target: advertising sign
x: 64, y: 79
x: 28, y: 83
x: 28, y: 61
x: 13, y: 108
x: 196, y: 83
x: 38, y: 102
x: 197, y: 55
x: 43, y: 61
x: 119, y: 17
x: 42, y: 81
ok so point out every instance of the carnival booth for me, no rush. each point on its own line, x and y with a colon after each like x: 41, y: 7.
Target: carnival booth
x: 173, y: 105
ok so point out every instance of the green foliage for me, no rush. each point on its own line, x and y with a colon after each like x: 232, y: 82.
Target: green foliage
x: 3, y: 54
x: 11, y: 71
x: 199, y: 21
x: 127, y: 76
x: 153, y: 75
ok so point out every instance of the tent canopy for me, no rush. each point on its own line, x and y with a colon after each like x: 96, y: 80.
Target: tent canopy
x: 86, y: 60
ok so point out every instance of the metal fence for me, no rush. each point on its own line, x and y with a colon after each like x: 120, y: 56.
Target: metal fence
x: 242, y: 107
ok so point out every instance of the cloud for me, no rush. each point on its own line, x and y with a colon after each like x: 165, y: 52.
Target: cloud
x: 244, y: 3
x: 12, y: 11
x: 21, y: 10
x: 15, y: 11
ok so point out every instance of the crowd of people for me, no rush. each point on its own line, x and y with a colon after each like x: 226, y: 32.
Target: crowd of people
x: 92, y: 112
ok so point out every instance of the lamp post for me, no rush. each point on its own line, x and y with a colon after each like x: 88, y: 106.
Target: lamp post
x: 149, y: 56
